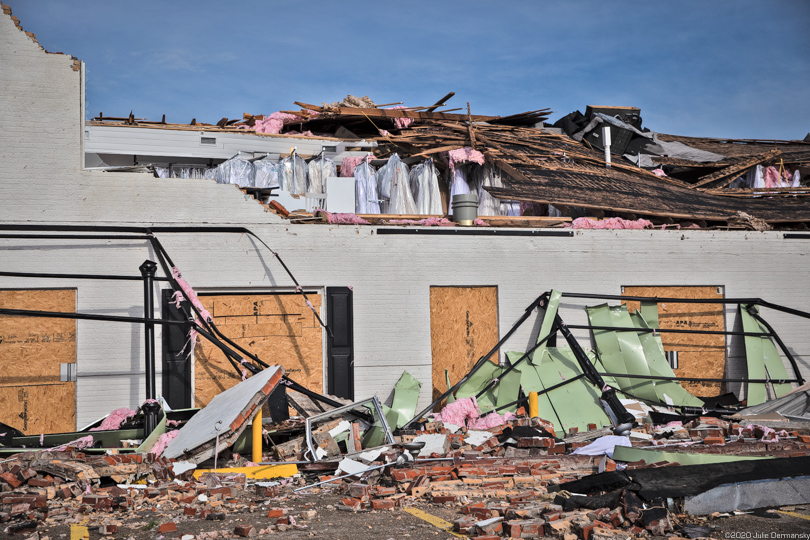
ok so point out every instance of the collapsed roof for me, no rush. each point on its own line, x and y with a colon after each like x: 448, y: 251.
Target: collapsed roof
x: 738, y: 183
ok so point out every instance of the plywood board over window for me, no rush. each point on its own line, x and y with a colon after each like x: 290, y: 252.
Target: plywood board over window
x: 279, y: 328
x: 699, y: 355
x: 463, y: 328
x: 32, y: 350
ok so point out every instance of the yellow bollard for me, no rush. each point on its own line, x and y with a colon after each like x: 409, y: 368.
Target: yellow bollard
x: 257, y: 437
x: 534, y: 408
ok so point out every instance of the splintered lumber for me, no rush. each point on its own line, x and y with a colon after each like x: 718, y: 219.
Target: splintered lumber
x: 393, y: 113
x: 438, y: 150
x: 441, y: 102
x: 732, y: 171
x: 679, y: 162
x: 761, y: 192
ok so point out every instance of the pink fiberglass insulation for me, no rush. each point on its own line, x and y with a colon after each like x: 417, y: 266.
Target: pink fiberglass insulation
x: 491, y: 420
x: 115, y: 419
x: 465, y: 155
x: 772, y: 178
x: 458, y: 412
x: 426, y: 222
x: 402, y: 123
x: 480, y: 222
x: 342, y: 219
x: 273, y: 123
x: 349, y: 164
x: 84, y: 442
x: 609, y: 223
x: 659, y: 172
x: 768, y: 434
x: 190, y: 294
x: 163, y: 441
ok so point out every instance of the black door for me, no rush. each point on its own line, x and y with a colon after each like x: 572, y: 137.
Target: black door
x: 340, y: 347
x: 176, y: 354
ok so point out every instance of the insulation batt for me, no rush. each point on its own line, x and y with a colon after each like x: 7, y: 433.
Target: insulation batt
x: 465, y: 155
x: 402, y: 123
x: 459, y: 412
x: 163, y: 441
x: 83, y: 442
x: 491, y: 420
x: 115, y: 419
x: 465, y: 412
x: 190, y: 294
x: 426, y: 222
x: 349, y: 163
x: 274, y: 123
x: 609, y: 223
x: 342, y: 219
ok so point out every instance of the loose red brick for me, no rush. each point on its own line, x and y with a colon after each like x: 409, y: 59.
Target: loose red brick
x: 402, y: 475
x: 189, y: 511
x: 382, y: 504
x: 244, y: 530
x: 444, y: 499
x: 167, y: 527
x: 359, y: 489
x: 714, y: 440
x: 11, y: 479
x: 279, y: 512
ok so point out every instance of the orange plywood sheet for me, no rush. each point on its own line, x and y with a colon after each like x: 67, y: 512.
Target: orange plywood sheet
x: 463, y: 328
x: 699, y: 355
x: 279, y: 328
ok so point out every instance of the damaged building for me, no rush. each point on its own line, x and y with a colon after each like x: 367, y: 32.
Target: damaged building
x: 389, y: 256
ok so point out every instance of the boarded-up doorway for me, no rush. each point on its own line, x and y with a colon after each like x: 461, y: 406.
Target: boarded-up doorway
x: 279, y: 328
x: 698, y: 355
x: 463, y: 328
x: 33, y: 398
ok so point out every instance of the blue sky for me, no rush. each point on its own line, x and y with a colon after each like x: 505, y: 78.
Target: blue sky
x: 716, y: 68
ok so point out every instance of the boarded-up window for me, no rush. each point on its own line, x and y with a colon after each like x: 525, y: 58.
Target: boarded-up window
x: 279, y: 328
x: 463, y: 328
x: 32, y: 349
x: 699, y: 355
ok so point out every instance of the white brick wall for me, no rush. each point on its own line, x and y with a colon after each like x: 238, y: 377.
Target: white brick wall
x: 391, y: 277
x: 391, y: 274
x: 40, y: 155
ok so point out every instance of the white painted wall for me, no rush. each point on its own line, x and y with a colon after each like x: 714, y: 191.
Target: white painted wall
x: 391, y: 277
x: 41, y: 182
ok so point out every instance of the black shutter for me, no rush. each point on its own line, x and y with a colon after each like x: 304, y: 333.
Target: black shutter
x: 340, y: 347
x: 176, y: 365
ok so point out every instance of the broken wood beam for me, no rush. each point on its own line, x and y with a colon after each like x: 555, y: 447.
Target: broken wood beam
x: 731, y: 172
x: 393, y: 113
x: 441, y: 102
